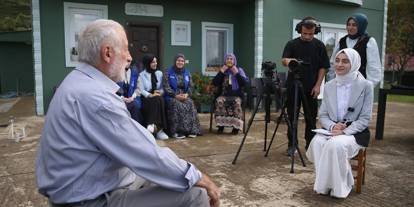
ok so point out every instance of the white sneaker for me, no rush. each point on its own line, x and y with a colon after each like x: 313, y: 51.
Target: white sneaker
x: 151, y: 128
x: 192, y: 135
x: 178, y: 136
x: 162, y: 135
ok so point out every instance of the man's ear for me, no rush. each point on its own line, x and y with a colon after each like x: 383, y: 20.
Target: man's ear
x: 106, y: 53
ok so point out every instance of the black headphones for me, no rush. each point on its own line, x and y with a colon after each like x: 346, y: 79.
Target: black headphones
x: 306, y: 22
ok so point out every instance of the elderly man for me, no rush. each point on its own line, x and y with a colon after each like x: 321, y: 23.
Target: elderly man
x: 92, y: 153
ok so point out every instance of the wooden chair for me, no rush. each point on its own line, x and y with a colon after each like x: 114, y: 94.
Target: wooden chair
x: 358, y: 165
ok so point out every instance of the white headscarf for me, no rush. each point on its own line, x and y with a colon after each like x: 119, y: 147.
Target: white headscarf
x: 355, y: 61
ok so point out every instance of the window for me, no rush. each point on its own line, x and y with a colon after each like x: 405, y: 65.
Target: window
x: 217, y: 40
x: 77, y: 16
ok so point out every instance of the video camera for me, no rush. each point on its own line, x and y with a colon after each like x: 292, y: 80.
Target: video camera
x: 268, y: 69
x: 271, y: 84
x: 297, y: 66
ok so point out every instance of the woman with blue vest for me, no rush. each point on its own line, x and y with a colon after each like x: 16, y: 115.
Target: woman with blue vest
x: 130, y: 94
x: 366, y: 46
x: 229, y: 81
x: 182, y: 114
x: 150, y: 87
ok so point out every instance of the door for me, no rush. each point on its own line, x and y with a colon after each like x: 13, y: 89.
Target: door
x: 144, y: 39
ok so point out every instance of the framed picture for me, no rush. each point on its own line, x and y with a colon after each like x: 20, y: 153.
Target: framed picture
x: 77, y: 16
x: 180, y: 33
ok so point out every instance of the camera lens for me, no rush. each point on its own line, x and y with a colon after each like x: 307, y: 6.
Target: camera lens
x: 293, y: 64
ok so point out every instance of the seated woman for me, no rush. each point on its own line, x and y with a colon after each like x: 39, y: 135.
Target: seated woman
x: 182, y: 114
x: 150, y: 87
x: 130, y: 94
x: 345, y: 111
x: 229, y: 82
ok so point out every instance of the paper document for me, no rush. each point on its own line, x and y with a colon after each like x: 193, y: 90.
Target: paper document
x: 322, y: 131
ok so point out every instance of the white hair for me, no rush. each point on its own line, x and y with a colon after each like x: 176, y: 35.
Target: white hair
x: 94, y: 35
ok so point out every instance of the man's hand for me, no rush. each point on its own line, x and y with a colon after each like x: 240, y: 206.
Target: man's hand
x: 212, y: 190
x: 316, y: 90
x: 286, y: 61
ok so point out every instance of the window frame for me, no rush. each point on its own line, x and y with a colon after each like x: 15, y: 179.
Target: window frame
x: 205, y: 26
x: 70, y: 9
x: 174, y: 26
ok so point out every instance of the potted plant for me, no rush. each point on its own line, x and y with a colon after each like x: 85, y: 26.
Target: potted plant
x: 202, y: 92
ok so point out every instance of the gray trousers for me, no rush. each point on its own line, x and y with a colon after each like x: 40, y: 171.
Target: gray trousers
x: 148, y: 196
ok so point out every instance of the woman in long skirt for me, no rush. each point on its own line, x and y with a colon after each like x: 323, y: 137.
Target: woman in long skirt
x: 229, y: 82
x: 182, y: 114
x: 345, y: 111
x: 150, y: 87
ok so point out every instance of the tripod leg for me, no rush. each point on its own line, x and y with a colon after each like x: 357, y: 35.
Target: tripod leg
x: 268, y: 103
x: 294, y: 124
x: 294, y: 128
x: 247, y: 130
x: 265, y: 138
x: 282, y: 114
x: 300, y: 156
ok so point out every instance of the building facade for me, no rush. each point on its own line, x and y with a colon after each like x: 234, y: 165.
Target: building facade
x: 203, y: 30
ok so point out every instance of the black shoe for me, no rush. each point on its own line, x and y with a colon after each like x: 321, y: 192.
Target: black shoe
x: 235, y: 131
x: 220, y: 130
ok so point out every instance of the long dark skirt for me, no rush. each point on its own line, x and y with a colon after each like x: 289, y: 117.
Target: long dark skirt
x: 182, y: 117
x: 228, y: 112
x: 153, y: 111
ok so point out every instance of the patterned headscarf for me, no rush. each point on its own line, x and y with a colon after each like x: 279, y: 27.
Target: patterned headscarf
x: 235, y: 84
x: 179, y: 55
x: 362, y: 24
x: 355, y: 61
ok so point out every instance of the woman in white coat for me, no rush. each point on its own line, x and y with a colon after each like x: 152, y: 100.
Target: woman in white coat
x: 345, y: 111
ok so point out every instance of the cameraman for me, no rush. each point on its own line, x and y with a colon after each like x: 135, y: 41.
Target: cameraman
x: 316, y: 61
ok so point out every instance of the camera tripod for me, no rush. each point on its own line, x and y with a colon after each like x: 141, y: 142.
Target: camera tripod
x: 264, y: 89
x: 292, y: 126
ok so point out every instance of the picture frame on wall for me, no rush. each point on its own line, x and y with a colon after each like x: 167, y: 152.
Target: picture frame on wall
x: 76, y: 17
x: 180, y: 33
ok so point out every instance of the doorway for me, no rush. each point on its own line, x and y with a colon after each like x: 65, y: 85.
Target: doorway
x: 144, y: 38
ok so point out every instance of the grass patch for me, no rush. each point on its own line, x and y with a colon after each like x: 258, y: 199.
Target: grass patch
x: 400, y: 98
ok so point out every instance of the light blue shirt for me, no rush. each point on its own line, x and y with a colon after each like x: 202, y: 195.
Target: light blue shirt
x: 90, y: 145
x: 144, y: 83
